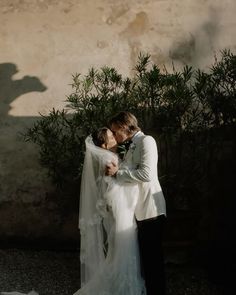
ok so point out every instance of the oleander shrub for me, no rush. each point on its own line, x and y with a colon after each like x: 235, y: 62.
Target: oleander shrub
x: 183, y: 109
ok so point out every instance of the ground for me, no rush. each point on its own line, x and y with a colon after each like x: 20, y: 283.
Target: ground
x: 57, y: 273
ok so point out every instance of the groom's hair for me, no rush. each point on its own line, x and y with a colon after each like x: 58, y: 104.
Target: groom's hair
x: 125, y: 120
x: 99, y: 136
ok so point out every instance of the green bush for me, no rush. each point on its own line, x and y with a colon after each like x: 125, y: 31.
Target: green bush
x: 177, y: 107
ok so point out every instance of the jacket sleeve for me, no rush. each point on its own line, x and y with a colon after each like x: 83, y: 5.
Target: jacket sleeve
x: 147, y: 166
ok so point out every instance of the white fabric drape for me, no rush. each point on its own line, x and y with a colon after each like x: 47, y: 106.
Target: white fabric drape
x: 107, y: 215
x: 92, y: 209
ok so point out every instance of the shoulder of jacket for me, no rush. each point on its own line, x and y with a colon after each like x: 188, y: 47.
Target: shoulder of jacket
x: 143, y: 138
x: 148, y: 138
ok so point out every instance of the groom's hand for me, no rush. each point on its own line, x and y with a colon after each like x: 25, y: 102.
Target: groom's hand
x: 111, y: 169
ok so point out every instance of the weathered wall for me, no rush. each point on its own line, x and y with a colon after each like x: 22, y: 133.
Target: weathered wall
x: 42, y: 42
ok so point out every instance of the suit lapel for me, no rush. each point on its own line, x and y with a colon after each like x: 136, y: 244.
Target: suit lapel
x: 136, y: 136
x: 132, y: 146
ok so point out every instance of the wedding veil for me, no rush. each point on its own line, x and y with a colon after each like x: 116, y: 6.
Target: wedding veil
x: 91, y: 210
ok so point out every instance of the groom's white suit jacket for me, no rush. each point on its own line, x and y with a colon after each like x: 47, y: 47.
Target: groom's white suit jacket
x: 141, y: 160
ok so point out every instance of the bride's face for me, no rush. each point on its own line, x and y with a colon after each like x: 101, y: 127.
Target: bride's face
x: 111, y: 141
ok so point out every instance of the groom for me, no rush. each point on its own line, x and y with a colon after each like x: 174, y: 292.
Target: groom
x: 141, y: 158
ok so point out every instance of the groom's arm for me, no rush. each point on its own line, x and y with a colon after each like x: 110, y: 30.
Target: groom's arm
x: 147, y: 167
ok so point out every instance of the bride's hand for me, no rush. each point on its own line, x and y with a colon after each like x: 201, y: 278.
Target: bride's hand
x: 111, y: 169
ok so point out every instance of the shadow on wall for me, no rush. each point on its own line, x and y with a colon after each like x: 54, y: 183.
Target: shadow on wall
x: 200, y: 42
x: 32, y: 212
x: 11, y: 89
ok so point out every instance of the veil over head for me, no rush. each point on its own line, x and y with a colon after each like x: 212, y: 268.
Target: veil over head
x: 91, y: 211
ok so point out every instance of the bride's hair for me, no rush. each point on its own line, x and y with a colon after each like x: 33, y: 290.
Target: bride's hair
x: 100, y: 137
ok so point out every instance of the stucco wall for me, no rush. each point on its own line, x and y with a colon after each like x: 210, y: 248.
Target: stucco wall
x: 42, y: 42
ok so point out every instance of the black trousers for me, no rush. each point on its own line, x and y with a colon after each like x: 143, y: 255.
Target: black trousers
x: 151, y: 253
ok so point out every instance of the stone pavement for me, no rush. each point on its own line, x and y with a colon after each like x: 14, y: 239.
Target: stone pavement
x: 57, y: 273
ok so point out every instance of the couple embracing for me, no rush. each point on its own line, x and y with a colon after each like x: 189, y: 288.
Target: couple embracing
x: 122, y: 211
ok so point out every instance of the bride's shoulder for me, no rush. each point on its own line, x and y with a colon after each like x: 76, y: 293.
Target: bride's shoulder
x: 111, y: 156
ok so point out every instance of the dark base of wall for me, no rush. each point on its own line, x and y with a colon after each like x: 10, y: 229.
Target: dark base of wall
x: 40, y: 244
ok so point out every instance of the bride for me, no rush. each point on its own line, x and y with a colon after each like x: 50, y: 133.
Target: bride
x: 110, y: 263
x: 109, y: 255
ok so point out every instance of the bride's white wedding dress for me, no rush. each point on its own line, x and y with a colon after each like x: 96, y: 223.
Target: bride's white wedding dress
x: 109, y: 255
x: 107, y: 219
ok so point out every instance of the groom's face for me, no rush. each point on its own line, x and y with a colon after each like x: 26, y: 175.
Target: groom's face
x: 120, y: 133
